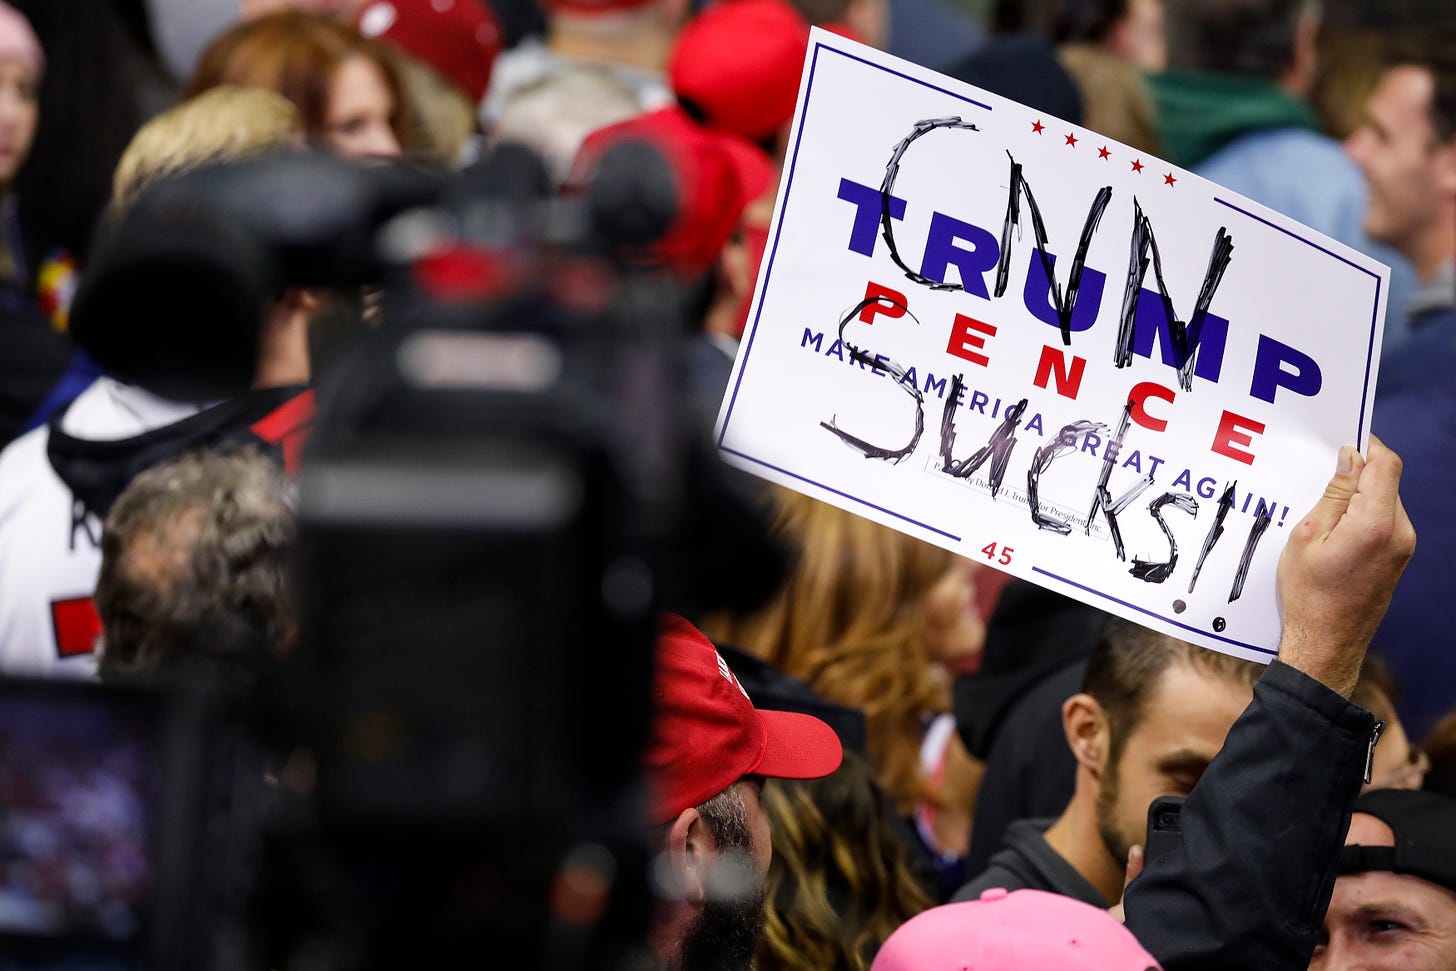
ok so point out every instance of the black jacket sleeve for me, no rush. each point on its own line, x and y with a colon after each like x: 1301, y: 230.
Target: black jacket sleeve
x: 1262, y: 832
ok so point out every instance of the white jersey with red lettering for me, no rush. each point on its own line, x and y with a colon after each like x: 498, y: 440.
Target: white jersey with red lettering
x: 57, y: 481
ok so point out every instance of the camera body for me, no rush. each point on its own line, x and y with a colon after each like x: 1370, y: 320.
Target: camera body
x: 128, y: 823
x: 501, y: 493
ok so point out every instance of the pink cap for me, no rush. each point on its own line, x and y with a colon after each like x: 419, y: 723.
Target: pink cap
x: 17, y: 40
x: 1023, y: 931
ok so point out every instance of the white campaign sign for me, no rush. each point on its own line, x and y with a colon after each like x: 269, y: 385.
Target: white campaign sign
x: 1140, y: 433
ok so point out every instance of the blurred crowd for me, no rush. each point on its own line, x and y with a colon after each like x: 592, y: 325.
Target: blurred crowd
x: 73, y: 850
x: 901, y: 759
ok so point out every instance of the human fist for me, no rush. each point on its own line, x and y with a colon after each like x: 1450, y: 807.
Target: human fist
x: 1340, y: 566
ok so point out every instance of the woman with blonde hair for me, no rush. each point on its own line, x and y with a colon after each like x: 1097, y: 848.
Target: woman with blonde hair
x: 343, y: 84
x: 223, y: 124
x: 871, y: 618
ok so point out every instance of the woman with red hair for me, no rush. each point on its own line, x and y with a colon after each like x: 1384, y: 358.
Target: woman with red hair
x: 343, y: 84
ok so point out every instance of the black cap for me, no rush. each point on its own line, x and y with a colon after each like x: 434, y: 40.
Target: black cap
x: 1424, y: 824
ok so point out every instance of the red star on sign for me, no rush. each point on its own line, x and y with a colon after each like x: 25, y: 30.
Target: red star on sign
x: 1103, y: 153
x: 1037, y: 126
x: 1137, y: 165
x: 1071, y: 140
x: 1168, y: 179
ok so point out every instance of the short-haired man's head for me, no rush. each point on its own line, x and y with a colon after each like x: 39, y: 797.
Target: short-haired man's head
x: 1249, y: 37
x: 1432, y: 51
x: 1128, y: 661
x: 1405, y: 147
x: 1159, y: 712
x: 226, y: 124
x: 196, y: 565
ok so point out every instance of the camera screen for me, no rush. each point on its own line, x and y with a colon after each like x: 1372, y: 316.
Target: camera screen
x: 78, y: 773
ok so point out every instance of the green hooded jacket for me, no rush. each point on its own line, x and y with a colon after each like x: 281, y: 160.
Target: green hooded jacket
x: 1199, y: 113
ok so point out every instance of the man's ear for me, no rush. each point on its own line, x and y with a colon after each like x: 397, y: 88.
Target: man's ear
x: 1088, y: 733
x: 690, y: 852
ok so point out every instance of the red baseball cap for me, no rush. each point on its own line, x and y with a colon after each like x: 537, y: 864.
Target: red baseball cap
x: 706, y: 734
x: 458, y: 38
x: 717, y: 175
x: 738, y: 64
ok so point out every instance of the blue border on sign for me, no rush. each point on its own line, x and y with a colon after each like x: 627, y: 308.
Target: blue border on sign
x: 1374, y: 310
x: 1143, y: 610
x: 768, y: 275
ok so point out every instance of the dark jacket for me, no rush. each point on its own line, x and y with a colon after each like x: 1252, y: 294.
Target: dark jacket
x: 1032, y: 632
x: 1031, y: 771
x: 1262, y: 832
x: 1027, y: 862
x: 272, y: 419
x: 1423, y: 361
x: 1248, y: 886
x: 1419, y: 423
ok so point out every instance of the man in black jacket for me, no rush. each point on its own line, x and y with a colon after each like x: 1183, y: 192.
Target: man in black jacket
x: 1263, y: 829
x: 1249, y: 883
x: 1152, y: 715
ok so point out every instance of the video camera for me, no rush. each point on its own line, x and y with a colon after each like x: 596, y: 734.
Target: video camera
x: 501, y: 494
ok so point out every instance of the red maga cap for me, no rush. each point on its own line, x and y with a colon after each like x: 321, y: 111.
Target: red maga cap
x: 706, y: 734
x: 458, y: 38
x: 738, y: 64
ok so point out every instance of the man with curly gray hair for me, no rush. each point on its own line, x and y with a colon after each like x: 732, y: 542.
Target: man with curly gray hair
x: 196, y: 566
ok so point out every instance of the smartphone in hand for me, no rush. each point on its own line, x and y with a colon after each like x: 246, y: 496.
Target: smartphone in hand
x: 1165, y: 827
